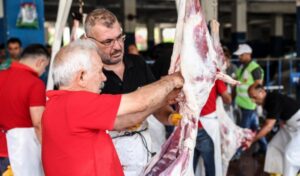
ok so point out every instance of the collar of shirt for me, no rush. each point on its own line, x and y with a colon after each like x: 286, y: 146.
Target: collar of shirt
x: 17, y: 65
x: 52, y: 93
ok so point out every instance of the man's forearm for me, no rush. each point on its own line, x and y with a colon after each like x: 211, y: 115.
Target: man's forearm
x: 262, y: 133
x: 36, y: 116
x: 38, y: 132
x: 132, y: 119
x: 267, y: 127
x: 163, y: 114
x: 146, y: 100
x: 157, y: 93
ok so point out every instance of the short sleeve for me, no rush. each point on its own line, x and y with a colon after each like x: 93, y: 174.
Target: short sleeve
x: 37, y: 95
x: 87, y: 110
x: 257, y: 73
x: 221, y: 87
x: 273, y: 107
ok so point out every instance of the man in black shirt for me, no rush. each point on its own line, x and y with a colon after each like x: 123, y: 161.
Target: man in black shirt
x: 283, y: 152
x: 124, y: 74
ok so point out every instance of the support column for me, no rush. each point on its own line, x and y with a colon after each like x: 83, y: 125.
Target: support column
x: 150, y: 32
x: 161, y: 37
x: 298, y: 45
x: 277, y: 37
x: 298, y: 27
x: 129, y: 21
x: 210, y: 9
x: 239, y: 23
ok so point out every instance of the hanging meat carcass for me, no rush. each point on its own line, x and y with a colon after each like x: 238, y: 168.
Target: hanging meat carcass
x: 198, y: 56
x: 232, y: 136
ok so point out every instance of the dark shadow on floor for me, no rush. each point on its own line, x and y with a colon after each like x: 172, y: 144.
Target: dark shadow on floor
x: 248, y: 164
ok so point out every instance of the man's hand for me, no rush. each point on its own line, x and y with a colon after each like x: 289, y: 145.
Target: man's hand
x: 247, y: 144
x: 177, y: 79
x: 172, y: 98
x: 249, y: 139
x: 178, y: 84
x: 175, y: 118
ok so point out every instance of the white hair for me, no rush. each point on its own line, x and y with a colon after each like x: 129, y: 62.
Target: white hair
x: 72, y: 58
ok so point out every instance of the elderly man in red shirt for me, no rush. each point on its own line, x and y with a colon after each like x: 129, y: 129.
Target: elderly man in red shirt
x: 77, y: 117
x: 22, y: 96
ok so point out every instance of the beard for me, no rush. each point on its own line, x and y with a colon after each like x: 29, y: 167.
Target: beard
x: 110, y: 59
x: 102, y: 84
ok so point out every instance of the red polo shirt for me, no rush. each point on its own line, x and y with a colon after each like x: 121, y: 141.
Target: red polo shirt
x: 210, y: 105
x: 20, y: 88
x: 75, y: 141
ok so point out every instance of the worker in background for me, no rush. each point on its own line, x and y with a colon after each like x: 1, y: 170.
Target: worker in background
x: 248, y: 73
x: 283, y: 152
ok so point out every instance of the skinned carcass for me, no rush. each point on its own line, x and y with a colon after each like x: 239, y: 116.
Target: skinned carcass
x: 232, y: 136
x: 198, y: 56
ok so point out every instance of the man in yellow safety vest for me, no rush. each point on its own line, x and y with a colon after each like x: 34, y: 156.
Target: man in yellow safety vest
x: 248, y: 73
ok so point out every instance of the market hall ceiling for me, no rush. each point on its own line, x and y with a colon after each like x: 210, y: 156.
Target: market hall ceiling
x: 164, y: 11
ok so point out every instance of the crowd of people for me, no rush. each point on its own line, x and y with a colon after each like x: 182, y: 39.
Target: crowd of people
x: 96, y: 122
